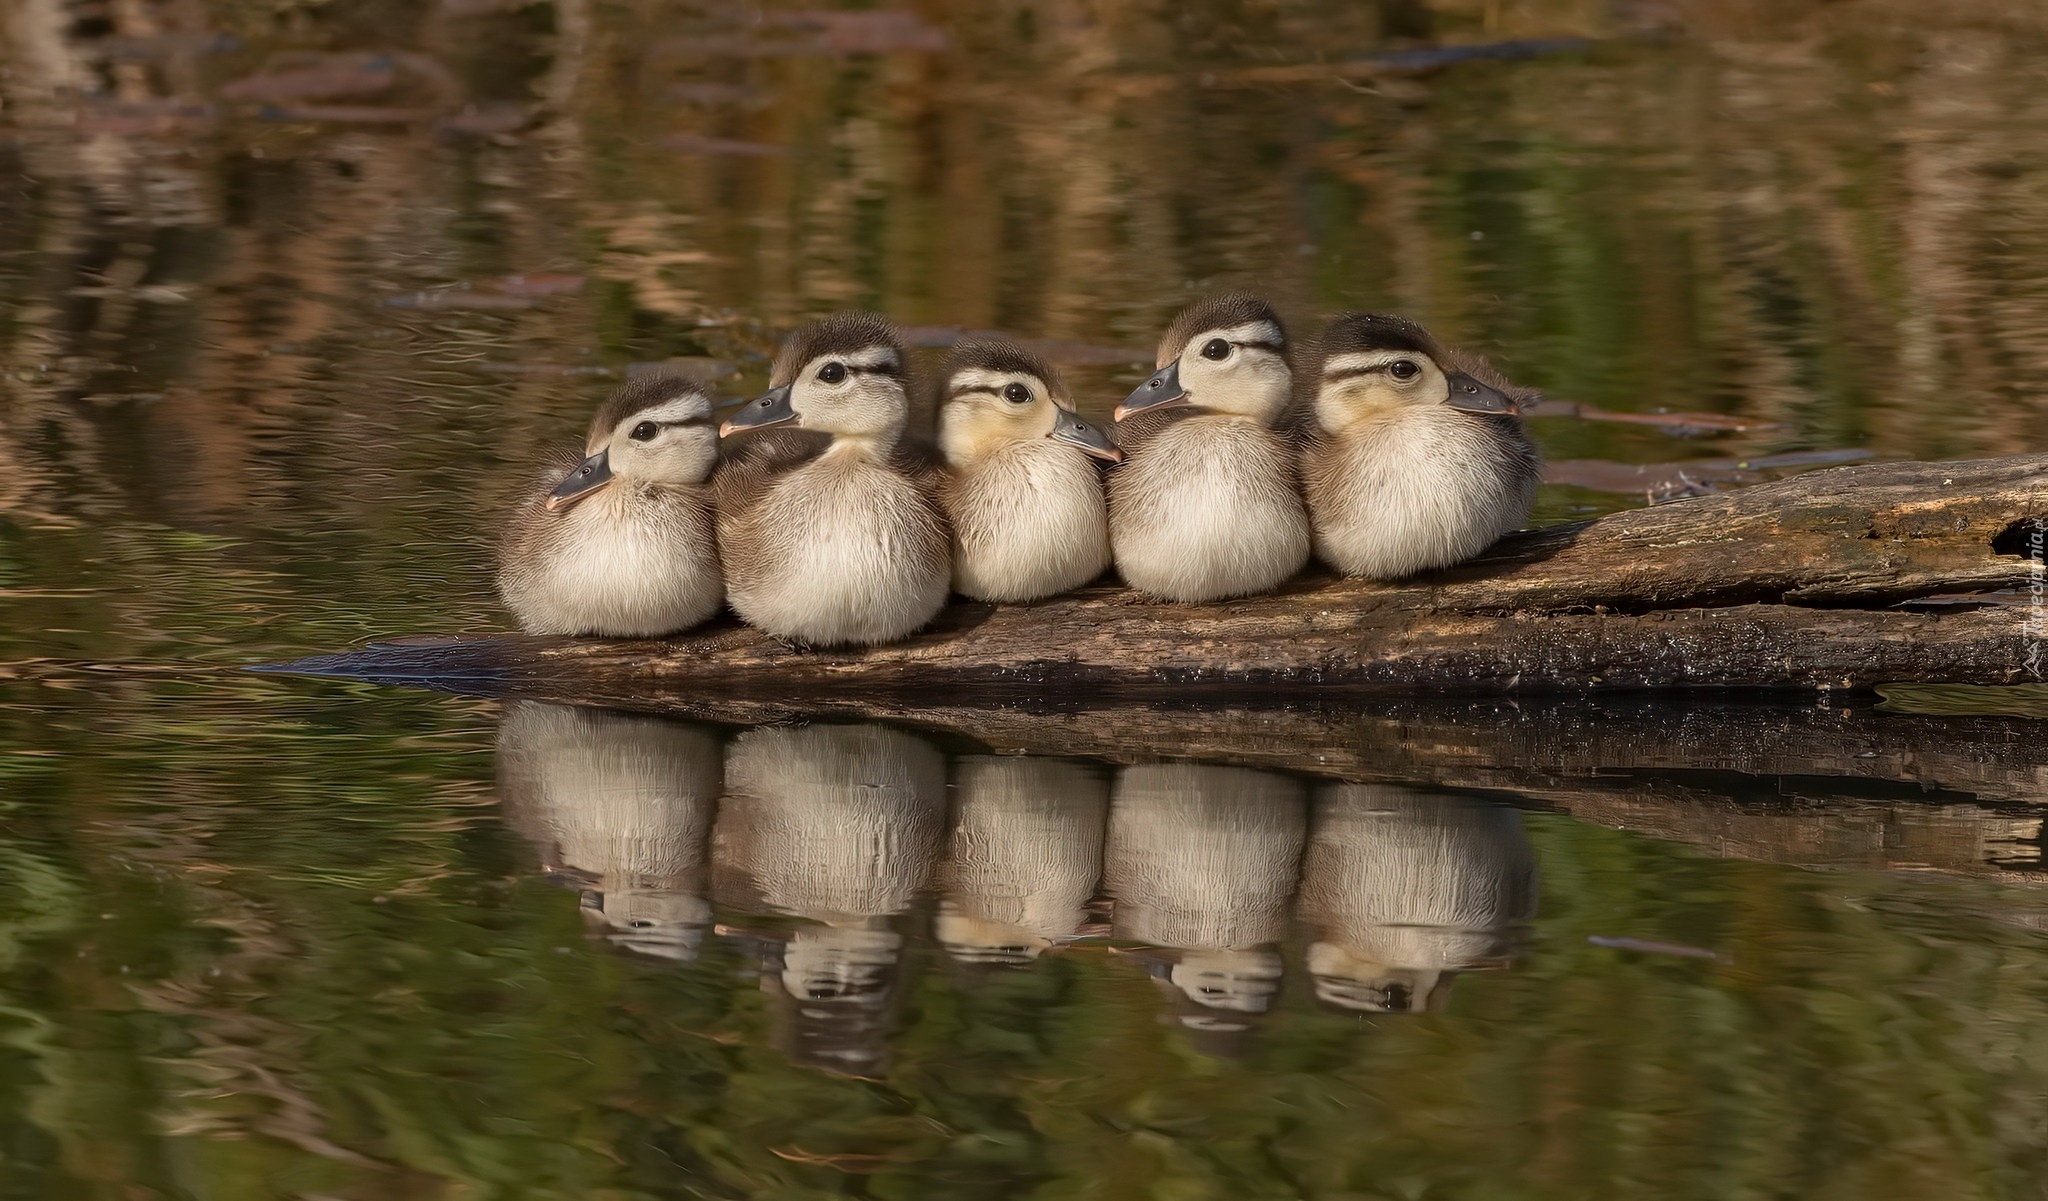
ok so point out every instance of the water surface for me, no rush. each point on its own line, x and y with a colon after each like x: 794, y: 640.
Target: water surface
x: 292, y: 295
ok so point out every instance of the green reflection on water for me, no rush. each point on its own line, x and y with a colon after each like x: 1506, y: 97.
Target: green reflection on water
x: 308, y: 954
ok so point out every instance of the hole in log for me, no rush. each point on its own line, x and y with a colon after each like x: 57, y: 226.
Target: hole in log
x: 2027, y: 538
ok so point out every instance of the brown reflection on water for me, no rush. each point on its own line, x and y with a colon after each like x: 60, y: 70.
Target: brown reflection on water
x: 1024, y: 857
x: 1828, y: 217
x: 1406, y: 888
x: 837, y: 851
x: 1200, y: 863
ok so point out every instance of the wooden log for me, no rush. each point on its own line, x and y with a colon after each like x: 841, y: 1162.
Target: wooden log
x: 1840, y: 579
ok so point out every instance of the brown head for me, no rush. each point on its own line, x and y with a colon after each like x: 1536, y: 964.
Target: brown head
x: 847, y: 376
x: 657, y: 430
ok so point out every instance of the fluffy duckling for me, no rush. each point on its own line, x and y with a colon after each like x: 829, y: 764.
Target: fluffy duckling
x: 624, y: 545
x: 1206, y: 508
x: 1023, y: 498
x: 1200, y: 862
x: 844, y: 544
x: 623, y: 803
x: 1405, y: 888
x: 1418, y: 458
x: 1024, y: 858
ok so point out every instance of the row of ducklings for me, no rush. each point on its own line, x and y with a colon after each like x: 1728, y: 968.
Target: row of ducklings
x: 832, y: 528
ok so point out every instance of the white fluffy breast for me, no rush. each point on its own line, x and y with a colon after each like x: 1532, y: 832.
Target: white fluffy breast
x: 1420, y: 489
x: 624, y: 563
x: 1028, y: 521
x: 1208, y: 510
x: 851, y: 552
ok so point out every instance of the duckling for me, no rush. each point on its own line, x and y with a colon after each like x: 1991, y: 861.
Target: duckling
x: 624, y: 545
x: 623, y: 803
x: 1023, y: 498
x: 1024, y: 859
x: 1206, y: 508
x: 1404, y: 888
x: 845, y: 543
x: 1418, y: 458
x: 1200, y: 861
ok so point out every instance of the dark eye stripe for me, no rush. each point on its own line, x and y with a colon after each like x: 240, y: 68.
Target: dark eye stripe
x: 1355, y: 372
x: 892, y: 370
x: 1271, y: 347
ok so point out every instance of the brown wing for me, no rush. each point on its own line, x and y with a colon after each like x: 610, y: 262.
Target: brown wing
x: 748, y: 464
x: 917, y: 455
x: 524, y: 528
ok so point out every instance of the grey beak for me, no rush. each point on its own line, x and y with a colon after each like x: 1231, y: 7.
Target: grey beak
x: 590, y: 475
x: 1161, y: 390
x: 1072, y: 430
x: 771, y: 408
x: 1471, y: 395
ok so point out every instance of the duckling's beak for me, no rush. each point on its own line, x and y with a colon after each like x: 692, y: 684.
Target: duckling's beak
x: 590, y: 475
x: 771, y: 408
x: 1161, y: 390
x: 1471, y: 395
x: 1072, y: 430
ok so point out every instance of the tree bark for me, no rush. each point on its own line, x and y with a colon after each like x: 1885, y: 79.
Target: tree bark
x: 1835, y: 580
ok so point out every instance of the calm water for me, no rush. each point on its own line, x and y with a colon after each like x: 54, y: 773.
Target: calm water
x: 292, y: 294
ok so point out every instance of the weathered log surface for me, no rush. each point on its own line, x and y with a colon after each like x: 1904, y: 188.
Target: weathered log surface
x: 1839, y: 579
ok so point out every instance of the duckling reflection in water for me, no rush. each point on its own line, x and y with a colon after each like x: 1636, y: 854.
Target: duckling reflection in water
x: 839, y: 825
x: 1025, y: 856
x: 1418, y: 458
x: 1022, y: 491
x: 844, y: 544
x: 623, y: 545
x: 1201, y: 863
x: 623, y: 801
x: 1207, y: 507
x: 1406, y: 888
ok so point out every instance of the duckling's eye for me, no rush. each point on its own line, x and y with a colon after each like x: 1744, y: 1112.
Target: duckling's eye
x: 1016, y: 394
x: 644, y: 432
x: 832, y: 373
x: 1402, y: 369
x: 1216, y: 349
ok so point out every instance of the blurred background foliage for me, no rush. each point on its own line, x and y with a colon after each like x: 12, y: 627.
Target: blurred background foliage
x: 292, y: 292
x: 310, y: 284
